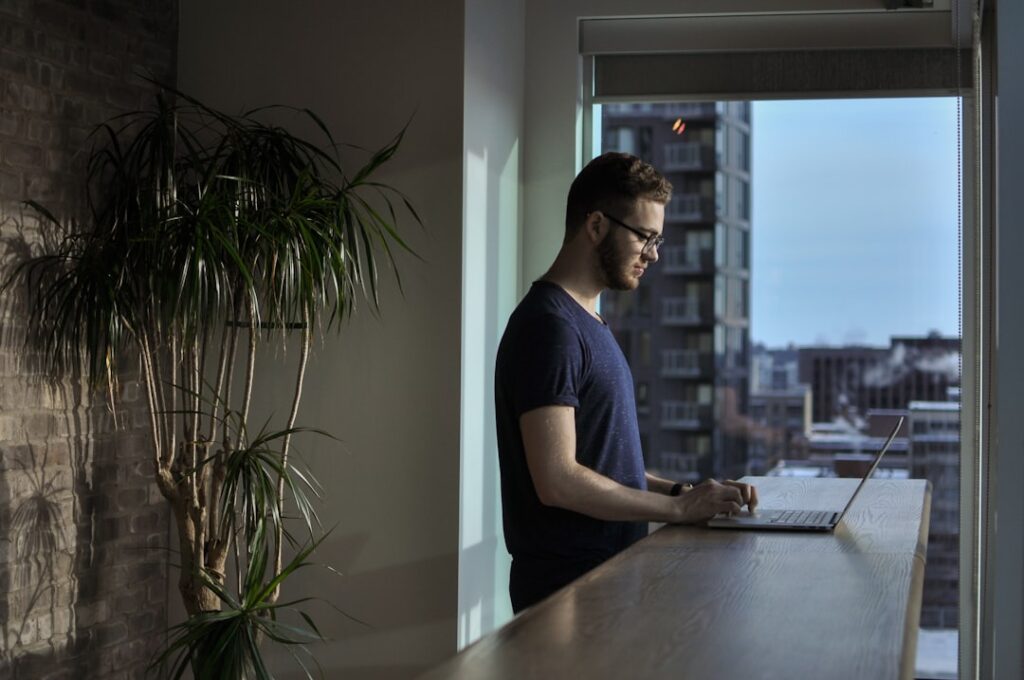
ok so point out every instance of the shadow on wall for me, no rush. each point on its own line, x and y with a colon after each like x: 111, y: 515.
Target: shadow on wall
x: 82, y: 537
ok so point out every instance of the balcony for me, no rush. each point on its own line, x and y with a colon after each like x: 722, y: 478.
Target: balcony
x: 688, y: 156
x: 690, y: 208
x: 680, y: 311
x: 679, y: 466
x: 683, y: 260
x: 684, y: 415
x: 688, y: 111
x: 682, y: 363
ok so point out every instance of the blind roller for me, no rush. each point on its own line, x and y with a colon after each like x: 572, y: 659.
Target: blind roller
x: 809, y: 74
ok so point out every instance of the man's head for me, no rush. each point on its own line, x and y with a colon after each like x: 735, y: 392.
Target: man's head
x: 613, y: 182
x: 617, y: 205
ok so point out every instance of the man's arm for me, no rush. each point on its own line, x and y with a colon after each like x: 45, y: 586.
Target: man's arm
x: 659, y: 484
x: 549, y: 437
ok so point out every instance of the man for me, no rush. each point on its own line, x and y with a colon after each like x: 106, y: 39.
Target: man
x: 573, y: 483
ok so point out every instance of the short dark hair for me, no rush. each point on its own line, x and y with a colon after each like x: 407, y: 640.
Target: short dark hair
x: 614, y: 182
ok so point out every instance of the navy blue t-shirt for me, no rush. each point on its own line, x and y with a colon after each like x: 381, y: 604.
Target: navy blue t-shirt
x: 554, y: 352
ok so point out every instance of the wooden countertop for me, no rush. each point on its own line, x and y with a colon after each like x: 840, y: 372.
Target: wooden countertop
x: 690, y: 602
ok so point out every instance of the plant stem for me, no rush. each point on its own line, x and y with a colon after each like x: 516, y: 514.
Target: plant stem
x: 217, y: 480
x: 171, y: 414
x: 279, y: 533
x: 247, y: 398
x: 163, y: 477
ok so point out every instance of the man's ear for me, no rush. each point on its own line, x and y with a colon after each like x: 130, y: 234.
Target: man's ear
x: 595, y: 226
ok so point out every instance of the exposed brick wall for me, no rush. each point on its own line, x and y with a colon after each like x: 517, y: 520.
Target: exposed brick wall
x: 83, y: 531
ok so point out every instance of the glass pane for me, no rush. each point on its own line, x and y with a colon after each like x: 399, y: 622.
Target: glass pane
x: 806, y: 296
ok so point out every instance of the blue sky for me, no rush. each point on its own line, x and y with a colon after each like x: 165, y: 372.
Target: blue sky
x: 854, y: 228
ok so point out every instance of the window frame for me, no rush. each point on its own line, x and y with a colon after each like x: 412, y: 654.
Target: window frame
x: 975, y: 314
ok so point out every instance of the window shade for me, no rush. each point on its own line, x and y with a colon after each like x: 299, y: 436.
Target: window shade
x: 779, y: 74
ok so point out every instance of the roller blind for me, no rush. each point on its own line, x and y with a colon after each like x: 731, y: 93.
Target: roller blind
x: 762, y: 56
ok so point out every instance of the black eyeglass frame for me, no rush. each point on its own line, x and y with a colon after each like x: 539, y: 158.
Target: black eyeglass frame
x: 651, y: 241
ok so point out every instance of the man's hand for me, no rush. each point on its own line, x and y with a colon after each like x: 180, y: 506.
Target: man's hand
x: 710, y: 498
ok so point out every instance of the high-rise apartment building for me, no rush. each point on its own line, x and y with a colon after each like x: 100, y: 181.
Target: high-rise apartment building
x: 686, y: 329
x: 934, y: 455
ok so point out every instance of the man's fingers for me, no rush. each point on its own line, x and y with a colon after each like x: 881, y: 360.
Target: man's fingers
x: 731, y: 508
x: 748, y: 493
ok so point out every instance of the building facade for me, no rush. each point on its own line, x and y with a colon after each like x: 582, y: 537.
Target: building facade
x: 934, y: 454
x: 686, y: 329
x: 854, y: 379
x: 780, y: 423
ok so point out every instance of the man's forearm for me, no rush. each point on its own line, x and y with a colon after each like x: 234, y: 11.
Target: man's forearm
x: 591, y: 493
x: 659, y: 484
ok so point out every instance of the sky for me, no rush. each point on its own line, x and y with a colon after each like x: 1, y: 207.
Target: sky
x: 854, y: 220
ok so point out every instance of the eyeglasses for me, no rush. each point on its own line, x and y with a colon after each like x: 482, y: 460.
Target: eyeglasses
x: 651, y: 241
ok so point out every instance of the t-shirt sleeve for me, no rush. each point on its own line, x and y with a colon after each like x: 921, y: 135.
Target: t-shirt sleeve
x: 550, y: 365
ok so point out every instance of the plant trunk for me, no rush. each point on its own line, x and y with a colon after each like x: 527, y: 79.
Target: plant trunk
x: 196, y: 597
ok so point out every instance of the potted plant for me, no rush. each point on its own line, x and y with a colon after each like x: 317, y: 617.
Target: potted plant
x: 208, y: 235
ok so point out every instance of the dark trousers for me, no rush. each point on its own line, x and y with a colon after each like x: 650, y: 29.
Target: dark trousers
x: 532, y: 580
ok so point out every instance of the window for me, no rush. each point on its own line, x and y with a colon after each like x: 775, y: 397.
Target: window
x: 812, y: 222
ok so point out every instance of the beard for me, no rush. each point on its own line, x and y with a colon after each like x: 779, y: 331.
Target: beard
x: 613, y: 266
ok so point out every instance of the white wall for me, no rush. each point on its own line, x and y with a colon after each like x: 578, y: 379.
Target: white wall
x: 389, y: 387
x: 493, y: 114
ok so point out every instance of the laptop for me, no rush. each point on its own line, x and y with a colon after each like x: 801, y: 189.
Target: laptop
x: 800, y: 520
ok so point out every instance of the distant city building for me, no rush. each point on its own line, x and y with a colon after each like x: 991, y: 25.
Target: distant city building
x: 780, y: 422
x: 849, y: 446
x: 774, y: 369
x: 935, y: 455
x: 846, y: 449
x: 686, y: 329
x: 854, y: 379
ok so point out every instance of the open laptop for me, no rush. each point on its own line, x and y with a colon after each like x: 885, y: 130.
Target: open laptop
x: 801, y: 520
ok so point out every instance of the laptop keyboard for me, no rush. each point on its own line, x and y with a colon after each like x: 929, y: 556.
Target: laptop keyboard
x: 803, y: 517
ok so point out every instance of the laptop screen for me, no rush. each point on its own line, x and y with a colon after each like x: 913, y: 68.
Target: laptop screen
x: 874, y: 464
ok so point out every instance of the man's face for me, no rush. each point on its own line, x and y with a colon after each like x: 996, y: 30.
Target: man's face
x: 621, y: 260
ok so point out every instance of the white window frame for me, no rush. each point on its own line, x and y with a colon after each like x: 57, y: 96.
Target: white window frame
x: 973, y: 334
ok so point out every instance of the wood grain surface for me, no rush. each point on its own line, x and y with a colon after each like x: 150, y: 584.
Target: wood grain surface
x: 690, y: 602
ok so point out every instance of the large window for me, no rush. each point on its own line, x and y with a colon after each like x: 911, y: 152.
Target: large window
x: 806, y: 295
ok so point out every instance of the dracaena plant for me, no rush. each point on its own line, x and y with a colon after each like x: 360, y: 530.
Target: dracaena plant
x: 206, y: 236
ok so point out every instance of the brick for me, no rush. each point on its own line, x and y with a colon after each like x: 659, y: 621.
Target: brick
x: 23, y: 38
x: 88, y: 615
x: 23, y: 155
x: 10, y: 185
x: 13, y: 63
x: 52, y: 15
x: 41, y: 130
x: 60, y: 674
x: 132, y: 447
x: 44, y: 627
x: 52, y: 47
x: 144, y: 523
x: 10, y: 121
x: 110, y: 633
x: 70, y: 109
x: 130, y: 499
x: 29, y: 97
x: 46, y: 75
x: 105, y: 65
x: 13, y: 7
